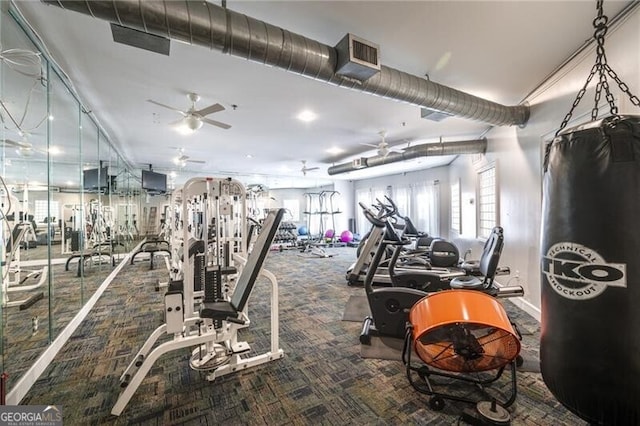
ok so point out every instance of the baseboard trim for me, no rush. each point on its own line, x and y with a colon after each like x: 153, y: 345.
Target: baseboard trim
x: 528, y: 307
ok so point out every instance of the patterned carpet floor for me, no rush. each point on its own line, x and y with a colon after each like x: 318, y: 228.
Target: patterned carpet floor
x: 27, y: 332
x: 321, y: 380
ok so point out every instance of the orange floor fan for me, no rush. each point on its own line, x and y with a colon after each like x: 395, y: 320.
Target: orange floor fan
x: 462, y: 335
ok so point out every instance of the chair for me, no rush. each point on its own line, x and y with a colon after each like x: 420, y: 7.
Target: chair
x: 487, y: 265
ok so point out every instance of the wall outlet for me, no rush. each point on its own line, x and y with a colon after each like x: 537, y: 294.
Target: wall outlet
x: 516, y: 277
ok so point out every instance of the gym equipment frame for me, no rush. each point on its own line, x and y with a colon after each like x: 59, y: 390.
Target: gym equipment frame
x: 200, y: 330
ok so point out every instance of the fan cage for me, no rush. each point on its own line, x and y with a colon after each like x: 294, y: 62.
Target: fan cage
x: 467, y: 347
x: 463, y: 331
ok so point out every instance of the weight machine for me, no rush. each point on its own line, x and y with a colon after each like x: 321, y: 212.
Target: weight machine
x: 199, y: 313
x: 14, y: 278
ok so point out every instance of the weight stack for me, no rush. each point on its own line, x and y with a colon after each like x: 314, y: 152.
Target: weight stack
x: 590, y: 338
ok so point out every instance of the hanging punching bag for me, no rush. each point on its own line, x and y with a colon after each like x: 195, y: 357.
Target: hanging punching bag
x: 590, y: 339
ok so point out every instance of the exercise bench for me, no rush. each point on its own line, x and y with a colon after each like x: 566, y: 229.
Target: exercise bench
x: 152, y: 248
x: 82, y: 257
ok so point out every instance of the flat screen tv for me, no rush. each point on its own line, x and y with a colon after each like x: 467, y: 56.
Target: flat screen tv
x: 95, y: 179
x: 154, y: 182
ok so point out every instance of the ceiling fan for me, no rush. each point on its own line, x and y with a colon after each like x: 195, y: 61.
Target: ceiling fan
x: 383, y: 147
x: 306, y: 169
x: 182, y: 159
x: 194, y: 118
x: 23, y: 148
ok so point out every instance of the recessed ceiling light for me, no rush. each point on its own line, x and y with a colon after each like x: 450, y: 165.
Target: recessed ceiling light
x: 307, y: 116
x: 54, y: 150
x: 249, y: 156
x: 334, y: 150
x: 69, y: 183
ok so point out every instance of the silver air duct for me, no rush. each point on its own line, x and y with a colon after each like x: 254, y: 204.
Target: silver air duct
x: 218, y: 28
x: 477, y: 146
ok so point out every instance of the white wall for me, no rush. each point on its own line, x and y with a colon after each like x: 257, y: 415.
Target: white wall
x: 346, y: 204
x: 518, y: 151
x: 343, y: 202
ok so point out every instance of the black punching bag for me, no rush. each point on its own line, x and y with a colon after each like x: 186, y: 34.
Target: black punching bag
x: 590, y: 340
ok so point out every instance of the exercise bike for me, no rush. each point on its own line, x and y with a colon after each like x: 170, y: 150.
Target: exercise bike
x: 390, y: 306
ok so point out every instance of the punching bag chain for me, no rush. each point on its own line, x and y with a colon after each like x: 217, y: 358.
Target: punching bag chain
x: 602, y: 68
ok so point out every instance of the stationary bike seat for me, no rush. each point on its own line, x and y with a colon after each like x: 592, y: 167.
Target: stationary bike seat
x: 467, y: 282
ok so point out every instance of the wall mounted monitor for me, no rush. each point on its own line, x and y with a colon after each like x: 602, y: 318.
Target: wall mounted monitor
x: 95, y: 179
x: 154, y: 182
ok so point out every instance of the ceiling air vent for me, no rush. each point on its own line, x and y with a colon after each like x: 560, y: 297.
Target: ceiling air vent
x: 433, y: 115
x: 359, y: 163
x: 357, y: 58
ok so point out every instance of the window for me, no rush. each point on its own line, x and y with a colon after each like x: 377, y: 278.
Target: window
x: 487, y: 201
x: 455, y: 208
x: 427, y: 205
x: 293, y: 207
x: 40, y: 211
x: 368, y: 197
x: 402, y: 198
x: 362, y: 224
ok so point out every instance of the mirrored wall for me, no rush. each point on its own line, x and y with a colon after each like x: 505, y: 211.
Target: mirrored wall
x: 69, y: 202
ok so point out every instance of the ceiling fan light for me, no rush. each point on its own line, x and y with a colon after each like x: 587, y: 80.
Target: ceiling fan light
x: 192, y: 123
x: 24, y: 151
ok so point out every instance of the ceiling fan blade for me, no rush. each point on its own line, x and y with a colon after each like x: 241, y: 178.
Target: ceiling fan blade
x: 209, y: 110
x: 216, y: 123
x: 369, y: 144
x: 309, y: 169
x: 177, y: 122
x: 196, y: 161
x: 17, y: 144
x: 167, y: 106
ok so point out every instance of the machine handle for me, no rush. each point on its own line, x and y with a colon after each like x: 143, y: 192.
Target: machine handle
x: 235, y: 320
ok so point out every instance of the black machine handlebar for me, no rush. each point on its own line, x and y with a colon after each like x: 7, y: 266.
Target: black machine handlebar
x: 389, y: 207
x: 385, y: 210
x: 375, y: 221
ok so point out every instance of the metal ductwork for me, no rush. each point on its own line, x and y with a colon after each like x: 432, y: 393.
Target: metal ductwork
x: 206, y: 24
x: 476, y: 146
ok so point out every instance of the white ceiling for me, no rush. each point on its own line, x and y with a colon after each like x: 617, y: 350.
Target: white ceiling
x: 498, y: 50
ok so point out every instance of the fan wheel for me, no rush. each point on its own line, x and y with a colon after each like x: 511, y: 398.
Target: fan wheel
x: 436, y: 403
x: 493, y: 413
